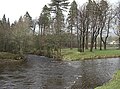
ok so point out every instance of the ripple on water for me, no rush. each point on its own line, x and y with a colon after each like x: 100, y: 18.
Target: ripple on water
x: 43, y: 73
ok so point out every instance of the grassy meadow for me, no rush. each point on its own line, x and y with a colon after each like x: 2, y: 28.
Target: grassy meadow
x: 73, y: 55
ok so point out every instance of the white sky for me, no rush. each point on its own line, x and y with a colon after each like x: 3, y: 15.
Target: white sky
x: 16, y: 8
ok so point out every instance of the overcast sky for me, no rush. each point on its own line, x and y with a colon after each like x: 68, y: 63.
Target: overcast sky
x: 16, y: 8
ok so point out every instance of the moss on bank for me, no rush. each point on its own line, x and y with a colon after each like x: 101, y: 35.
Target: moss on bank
x: 112, y: 84
x: 96, y: 54
x: 6, y: 57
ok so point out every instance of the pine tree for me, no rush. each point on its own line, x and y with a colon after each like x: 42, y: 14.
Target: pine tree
x: 72, y: 21
x: 28, y: 19
x: 44, y: 19
x: 6, y: 31
x: 44, y: 27
x: 57, y: 7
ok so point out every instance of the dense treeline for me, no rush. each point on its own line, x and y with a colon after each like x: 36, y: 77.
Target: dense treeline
x: 81, y: 29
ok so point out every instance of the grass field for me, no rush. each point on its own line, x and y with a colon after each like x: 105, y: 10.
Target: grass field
x: 74, y: 55
x: 112, y: 84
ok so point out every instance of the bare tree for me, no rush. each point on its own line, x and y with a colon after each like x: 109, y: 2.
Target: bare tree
x: 117, y: 23
x: 110, y: 16
x: 83, y: 27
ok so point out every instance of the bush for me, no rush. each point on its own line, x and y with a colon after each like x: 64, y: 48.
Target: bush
x: 6, y: 55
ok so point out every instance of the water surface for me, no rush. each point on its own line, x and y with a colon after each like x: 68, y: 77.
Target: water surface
x: 44, y: 73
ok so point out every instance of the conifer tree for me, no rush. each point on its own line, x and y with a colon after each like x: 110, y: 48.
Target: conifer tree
x: 57, y: 7
x: 72, y: 20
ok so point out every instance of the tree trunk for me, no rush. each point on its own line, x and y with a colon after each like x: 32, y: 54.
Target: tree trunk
x: 78, y: 42
x: 101, y: 40
x: 83, y: 43
x: 119, y: 42
x: 105, y: 42
x: 86, y: 44
x: 95, y: 42
x: 80, y: 49
x: 92, y: 42
x: 104, y: 45
x: 71, y: 39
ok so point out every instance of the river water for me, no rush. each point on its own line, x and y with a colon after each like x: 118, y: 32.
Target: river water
x: 44, y: 73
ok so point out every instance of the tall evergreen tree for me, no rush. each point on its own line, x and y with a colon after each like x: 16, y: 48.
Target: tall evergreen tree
x: 6, y: 33
x: 44, y: 27
x: 28, y: 19
x: 57, y: 7
x: 44, y: 19
x: 72, y: 20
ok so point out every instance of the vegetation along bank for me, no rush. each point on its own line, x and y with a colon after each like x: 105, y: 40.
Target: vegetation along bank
x: 91, y: 26
x: 112, y: 84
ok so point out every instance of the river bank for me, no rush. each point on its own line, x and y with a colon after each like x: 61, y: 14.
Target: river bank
x: 112, y: 84
x: 74, y: 55
x: 6, y: 58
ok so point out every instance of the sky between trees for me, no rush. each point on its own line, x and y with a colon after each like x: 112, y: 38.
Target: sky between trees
x: 13, y: 9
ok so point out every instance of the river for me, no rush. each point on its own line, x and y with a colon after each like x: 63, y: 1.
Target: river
x: 44, y: 73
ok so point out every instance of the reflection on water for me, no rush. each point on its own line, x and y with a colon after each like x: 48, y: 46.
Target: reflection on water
x: 43, y: 73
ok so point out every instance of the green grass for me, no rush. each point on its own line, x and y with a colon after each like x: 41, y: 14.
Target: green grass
x: 112, y: 84
x: 96, y: 54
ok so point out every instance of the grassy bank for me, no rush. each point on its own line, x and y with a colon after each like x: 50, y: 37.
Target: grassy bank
x: 112, y: 84
x: 96, y: 54
x: 10, y: 58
